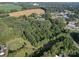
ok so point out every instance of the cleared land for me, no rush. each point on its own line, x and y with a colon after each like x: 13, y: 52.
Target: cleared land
x: 27, y: 12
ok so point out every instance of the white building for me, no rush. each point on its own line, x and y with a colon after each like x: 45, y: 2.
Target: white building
x: 72, y: 26
x: 36, y: 4
x: 2, y: 50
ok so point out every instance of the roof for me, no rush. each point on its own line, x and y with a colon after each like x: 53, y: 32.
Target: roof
x: 2, y: 53
x: 3, y: 50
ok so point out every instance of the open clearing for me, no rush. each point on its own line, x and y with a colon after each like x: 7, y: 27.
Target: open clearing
x: 9, y: 7
x: 27, y: 12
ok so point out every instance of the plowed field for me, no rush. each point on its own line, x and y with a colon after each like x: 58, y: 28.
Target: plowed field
x: 27, y: 12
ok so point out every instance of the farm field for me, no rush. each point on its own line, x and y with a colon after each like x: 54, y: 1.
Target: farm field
x: 27, y: 12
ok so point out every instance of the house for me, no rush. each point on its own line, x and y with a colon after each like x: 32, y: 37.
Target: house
x: 3, y: 50
x: 61, y: 55
x: 72, y: 26
x: 64, y: 15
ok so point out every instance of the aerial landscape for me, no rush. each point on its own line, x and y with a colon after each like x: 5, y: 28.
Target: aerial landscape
x: 39, y: 29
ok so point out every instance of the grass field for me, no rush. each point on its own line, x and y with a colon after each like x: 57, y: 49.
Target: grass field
x: 17, y: 43
x: 9, y: 7
x: 27, y: 49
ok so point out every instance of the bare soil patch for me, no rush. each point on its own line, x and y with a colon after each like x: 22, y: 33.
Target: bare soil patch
x: 27, y: 12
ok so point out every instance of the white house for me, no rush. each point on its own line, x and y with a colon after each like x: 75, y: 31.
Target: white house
x: 3, y: 49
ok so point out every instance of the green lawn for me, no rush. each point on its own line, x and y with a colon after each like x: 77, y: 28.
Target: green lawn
x: 15, y: 44
x: 9, y: 7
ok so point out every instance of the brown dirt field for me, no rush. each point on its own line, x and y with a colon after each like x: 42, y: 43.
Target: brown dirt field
x: 27, y: 12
